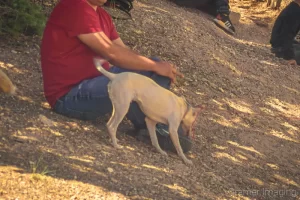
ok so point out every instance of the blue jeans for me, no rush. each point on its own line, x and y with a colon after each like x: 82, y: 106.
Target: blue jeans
x: 89, y: 99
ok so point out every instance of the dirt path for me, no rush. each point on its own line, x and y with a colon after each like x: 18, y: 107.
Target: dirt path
x: 247, y: 142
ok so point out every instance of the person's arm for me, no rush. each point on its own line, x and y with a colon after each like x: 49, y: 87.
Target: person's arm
x: 124, y: 57
x: 116, y: 54
x: 119, y: 42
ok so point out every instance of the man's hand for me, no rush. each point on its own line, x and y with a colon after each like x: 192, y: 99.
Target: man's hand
x: 292, y: 62
x: 168, y: 70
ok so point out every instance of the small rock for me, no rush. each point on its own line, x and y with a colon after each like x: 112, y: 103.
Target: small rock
x: 13, y: 51
x: 198, y: 187
x: 45, y: 120
x: 70, y: 147
x: 110, y: 170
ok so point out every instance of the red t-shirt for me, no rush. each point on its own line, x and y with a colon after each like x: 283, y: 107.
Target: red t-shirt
x: 65, y: 60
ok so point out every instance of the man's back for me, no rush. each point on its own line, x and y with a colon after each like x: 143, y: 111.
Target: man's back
x: 65, y: 60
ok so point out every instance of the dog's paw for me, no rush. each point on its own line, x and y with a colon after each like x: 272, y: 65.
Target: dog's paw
x: 117, y: 146
x: 188, y: 162
x: 164, y: 153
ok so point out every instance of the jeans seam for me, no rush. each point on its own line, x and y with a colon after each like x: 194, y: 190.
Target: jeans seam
x: 83, y: 97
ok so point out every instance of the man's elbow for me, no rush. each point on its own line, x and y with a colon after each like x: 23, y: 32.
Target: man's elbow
x: 100, y: 45
x: 109, y: 53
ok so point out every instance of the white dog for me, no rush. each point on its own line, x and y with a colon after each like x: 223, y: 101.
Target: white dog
x: 156, y: 102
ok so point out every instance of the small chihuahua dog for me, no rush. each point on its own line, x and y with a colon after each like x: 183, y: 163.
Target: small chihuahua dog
x: 157, y: 103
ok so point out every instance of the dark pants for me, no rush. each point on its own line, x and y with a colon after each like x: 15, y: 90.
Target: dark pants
x: 211, y: 6
x: 281, y: 54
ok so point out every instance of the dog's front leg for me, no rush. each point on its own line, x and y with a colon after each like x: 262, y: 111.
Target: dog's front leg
x: 175, y: 139
x: 151, y: 128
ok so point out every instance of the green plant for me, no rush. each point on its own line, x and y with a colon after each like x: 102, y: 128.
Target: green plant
x: 21, y: 17
x: 39, y: 169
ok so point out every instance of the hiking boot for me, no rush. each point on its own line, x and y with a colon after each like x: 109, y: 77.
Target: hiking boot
x: 224, y: 22
x: 164, y: 139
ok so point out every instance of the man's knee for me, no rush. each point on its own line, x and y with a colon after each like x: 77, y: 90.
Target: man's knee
x: 160, y: 80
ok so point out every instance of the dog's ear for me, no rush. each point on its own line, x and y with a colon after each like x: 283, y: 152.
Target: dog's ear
x: 199, y: 108
x: 183, y: 98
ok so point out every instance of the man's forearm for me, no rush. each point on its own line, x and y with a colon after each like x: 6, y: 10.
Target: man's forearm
x: 128, y: 59
x: 116, y: 54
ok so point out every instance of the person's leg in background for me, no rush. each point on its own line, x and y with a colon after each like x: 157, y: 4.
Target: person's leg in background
x: 191, y: 3
x: 222, y: 15
x: 90, y: 100
x: 218, y: 8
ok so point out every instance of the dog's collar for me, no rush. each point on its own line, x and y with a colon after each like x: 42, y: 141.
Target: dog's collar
x: 187, y: 110
x: 188, y: 107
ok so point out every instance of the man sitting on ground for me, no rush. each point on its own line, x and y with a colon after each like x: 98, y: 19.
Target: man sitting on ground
x: 76, y: 32
x: 284, y: 32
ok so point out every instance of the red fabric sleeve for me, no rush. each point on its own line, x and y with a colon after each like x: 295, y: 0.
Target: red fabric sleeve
x: 82, y: 19
x: 113, y: 33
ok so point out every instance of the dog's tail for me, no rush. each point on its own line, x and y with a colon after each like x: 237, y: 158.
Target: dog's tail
x: 98, y: 63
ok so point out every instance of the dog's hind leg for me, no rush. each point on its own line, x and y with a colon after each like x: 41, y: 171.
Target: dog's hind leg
x: 110, y: 94
x: 120, y: 110
x: 110, y: 121
x: 112, y: 129
x: 175, y: 139
x: 151, y: 128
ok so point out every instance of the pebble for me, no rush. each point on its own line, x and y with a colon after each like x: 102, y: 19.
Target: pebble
x: 110, y: 170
